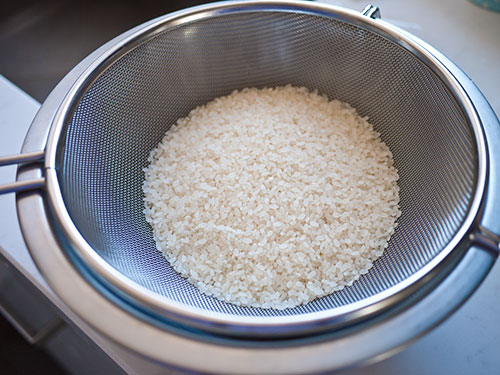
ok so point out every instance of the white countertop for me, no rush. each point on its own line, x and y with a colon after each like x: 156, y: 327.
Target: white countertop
x: 468, y: 342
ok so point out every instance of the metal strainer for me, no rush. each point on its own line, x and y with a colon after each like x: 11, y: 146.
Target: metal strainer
x: 121, y: 105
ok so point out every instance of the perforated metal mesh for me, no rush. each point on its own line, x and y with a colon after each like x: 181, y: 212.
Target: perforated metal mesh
x: 126, y: 112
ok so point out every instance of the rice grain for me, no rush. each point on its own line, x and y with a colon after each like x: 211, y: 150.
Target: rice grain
x: 271, y: 197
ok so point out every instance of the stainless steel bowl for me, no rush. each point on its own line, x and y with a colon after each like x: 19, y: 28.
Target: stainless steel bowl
x: 97, y: 127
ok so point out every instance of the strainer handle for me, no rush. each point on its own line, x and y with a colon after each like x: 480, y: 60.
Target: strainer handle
x: 22, y: 185
x: 486, y: 240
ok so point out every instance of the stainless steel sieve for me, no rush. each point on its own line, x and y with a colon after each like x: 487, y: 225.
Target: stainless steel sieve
x: 98, y: 126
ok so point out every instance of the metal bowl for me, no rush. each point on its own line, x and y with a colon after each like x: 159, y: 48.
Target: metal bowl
x: 99, y: 124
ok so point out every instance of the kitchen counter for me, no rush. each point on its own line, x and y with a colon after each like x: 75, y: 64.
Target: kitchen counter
x: 467, y: 343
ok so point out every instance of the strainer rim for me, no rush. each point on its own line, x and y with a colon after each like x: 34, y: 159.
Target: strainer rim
x: 191, y: 314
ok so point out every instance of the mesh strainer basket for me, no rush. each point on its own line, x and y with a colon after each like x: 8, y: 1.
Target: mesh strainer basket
x: 121, y: 105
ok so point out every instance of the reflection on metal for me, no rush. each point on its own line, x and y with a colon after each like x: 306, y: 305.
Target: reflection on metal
x: 486, y: 240
x: 371, y: 11
x: 22, y: 185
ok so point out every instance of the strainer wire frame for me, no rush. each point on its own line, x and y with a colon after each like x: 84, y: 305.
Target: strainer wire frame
x: 202, y: 318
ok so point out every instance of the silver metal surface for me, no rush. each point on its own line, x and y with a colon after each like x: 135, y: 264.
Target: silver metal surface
x: 486, y: 240
x: 120, y: 108
x: 16, y: 159
x: 371, y: 11
x: 19, y: 186
x: 22, y: 185
x: 179, y: 349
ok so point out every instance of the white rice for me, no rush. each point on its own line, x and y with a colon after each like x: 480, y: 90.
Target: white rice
x: 271, y: 198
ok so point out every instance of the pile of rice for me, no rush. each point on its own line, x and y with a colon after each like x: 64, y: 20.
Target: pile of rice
x: 271, y: 197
